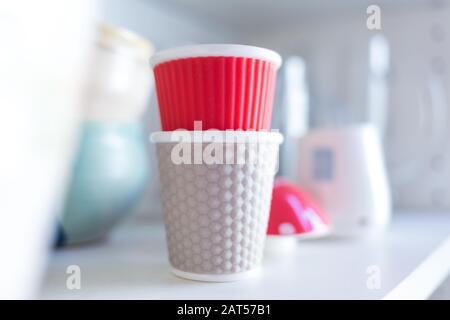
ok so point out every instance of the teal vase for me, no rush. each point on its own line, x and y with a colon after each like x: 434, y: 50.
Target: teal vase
x: 109, y: 176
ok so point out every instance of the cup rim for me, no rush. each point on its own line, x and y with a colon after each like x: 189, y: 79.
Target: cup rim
x: 220, y: 136
x: 216, y: 50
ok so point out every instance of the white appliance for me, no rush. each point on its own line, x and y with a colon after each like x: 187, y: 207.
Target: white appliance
x: 343, y: 169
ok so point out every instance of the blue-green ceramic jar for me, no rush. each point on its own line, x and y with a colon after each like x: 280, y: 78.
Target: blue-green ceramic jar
x: 109, y: 176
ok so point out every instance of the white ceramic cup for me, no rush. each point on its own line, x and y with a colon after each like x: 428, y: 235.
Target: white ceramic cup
x: 344, y: 170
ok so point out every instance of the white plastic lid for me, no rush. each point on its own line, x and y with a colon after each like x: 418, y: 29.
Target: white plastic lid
x: 216, y: 50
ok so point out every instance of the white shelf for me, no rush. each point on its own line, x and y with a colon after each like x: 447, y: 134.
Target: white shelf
x: 413, y: 258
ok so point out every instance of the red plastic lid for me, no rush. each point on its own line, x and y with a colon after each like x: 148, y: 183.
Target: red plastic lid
x: 293, y: 212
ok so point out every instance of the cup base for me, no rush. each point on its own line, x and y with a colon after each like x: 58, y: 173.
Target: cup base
x: 229, y: 277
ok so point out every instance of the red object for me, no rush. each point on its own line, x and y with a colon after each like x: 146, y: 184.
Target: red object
x: 222, y: 92
x: 293, y: 212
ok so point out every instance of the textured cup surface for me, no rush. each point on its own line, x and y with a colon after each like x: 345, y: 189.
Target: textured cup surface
x: 216, y: 215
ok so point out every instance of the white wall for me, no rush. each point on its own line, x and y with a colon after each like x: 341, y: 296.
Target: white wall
x: 165, y: 25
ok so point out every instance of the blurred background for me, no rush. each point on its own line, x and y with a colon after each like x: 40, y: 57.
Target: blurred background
x: 396, y: 77
x: 337, y: 71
